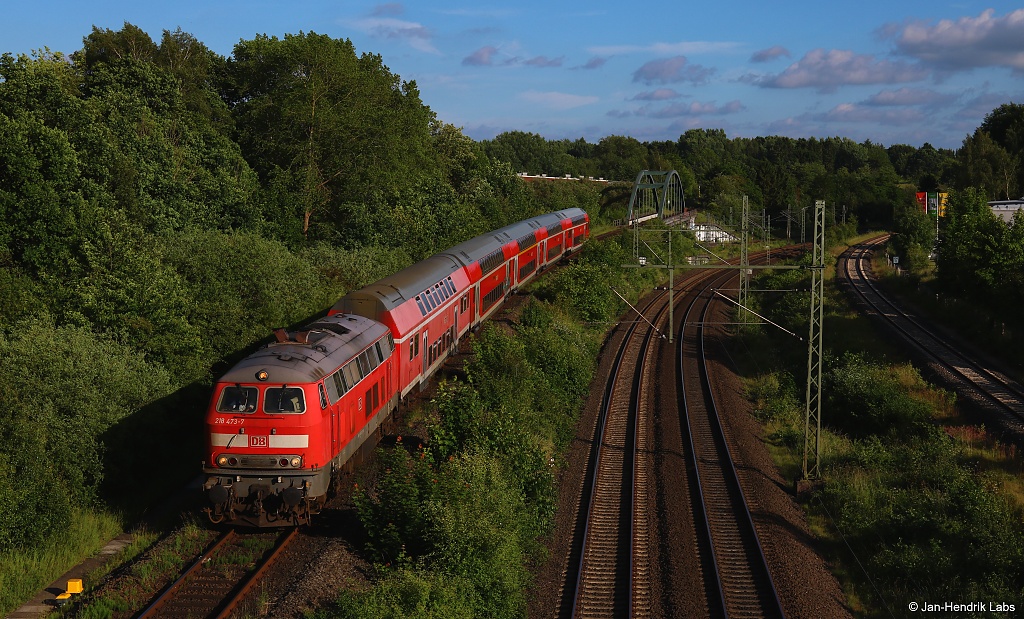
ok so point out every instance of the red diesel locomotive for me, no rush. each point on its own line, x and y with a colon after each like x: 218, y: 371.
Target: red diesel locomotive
x: 287, y: 420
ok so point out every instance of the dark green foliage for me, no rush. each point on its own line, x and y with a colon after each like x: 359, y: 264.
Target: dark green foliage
x: 241, y: 286
x: 63, y: 389
x: 993, y: 157
x: 462, y: 518
x: 40, y: 206
x: 295, y: 100
x: 914, y: 513
x: 980, y: 254
x: 923, y: 524
x: 467, y: 509
x: 914, y: 233
x: 406, y: 592
x: 863, y: 399
x: 392, y: 509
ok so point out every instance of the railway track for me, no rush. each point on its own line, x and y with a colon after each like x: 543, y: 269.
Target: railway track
x: 612, y: 571
x: 974, y: 378
x: 215, y: 583
x: 608, y: 564
x: 739, y: 572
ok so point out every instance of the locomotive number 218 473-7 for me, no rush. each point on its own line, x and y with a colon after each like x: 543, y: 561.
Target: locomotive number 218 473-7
x: 230, y: 421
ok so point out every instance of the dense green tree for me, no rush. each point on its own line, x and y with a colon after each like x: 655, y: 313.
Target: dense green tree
x: 1005, y: 125
x: 915, y: 233
x: 63, y: 389
x: 335, y: 123
x: 704, y: 151
x: 984, y: 163
x: 970, y: 243
x: 40, y: 204
x: 621, y: 158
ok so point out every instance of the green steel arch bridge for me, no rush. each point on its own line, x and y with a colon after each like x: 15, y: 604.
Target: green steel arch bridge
x: 656, y: 193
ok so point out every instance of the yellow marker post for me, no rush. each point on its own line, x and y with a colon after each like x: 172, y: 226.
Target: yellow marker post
x: 74, y: 585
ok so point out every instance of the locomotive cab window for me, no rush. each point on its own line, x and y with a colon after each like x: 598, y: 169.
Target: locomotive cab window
x: 284, y: 400
x: 238, y: 400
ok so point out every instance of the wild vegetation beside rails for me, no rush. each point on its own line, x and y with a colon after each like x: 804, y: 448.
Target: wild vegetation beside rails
x: 149, y: 238
x: 163, y: 208
x: 454, y: 526
x: 915, y: 505
x: 975, y: 279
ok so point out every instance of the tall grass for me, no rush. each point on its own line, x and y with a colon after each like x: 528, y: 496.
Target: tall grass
x: 26, y: 572
x: 917, y: 503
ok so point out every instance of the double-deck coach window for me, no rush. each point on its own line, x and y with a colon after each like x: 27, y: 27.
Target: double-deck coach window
x: 431, y: 298
x: 345, y: 379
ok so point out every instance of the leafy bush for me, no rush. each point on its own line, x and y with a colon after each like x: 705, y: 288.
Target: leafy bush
x: 923, y: 524
x: 64, y: 389
x: 406, y: 592
x: 463, y: 518
x: 466, y: 510
x: 864, y: 398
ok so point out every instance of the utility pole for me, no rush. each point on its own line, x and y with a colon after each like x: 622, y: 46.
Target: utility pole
x: 744, y: 260
x: 811, y: 468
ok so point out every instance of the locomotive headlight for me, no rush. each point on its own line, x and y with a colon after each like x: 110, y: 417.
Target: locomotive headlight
x: 222, y: 461
x: 296, y: 461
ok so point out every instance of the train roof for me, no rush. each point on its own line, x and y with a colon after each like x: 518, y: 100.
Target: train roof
x: 394, y: 290
x: 310, y: 353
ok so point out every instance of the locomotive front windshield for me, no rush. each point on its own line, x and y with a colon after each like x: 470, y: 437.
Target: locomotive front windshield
x: 284, y: 400
x: 237, y: 400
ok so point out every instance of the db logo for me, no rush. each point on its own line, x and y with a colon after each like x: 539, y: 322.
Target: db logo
x: 259, y: 441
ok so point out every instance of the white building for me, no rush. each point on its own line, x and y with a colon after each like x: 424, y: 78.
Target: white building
x: 711, y: 233
x: 1005, y: 209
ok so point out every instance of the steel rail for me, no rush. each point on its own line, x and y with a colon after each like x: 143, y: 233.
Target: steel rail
x: 585, y: 604
x: 227, y: 593
x: 750, y: 590
x: 175, y: 586
x: 993, y: 386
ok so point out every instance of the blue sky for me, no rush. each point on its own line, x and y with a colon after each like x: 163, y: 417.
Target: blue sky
x: 893, y: 72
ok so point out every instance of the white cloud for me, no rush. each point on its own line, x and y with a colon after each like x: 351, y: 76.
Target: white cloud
x: 826, y: 70
x: 672, y: 70
x: 661, y: 94
x: 557, y: 100
x: 909, y: 96
x: 665, y: 49
x: 767, y: 55
x: 481, y: 57
x: 417, y: 35
x: 966, y: 43
x: 852, y: 112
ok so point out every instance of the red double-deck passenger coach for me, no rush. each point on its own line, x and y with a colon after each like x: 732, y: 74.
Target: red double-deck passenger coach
x: 287, y: 420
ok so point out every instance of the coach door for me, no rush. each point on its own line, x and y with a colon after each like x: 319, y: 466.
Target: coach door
x: 426, y: 356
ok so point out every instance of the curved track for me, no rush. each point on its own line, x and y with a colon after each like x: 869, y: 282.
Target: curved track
x: 976, y: 379
x: 607, y: 580
x: 620, y: 541
x: 740, y: 572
